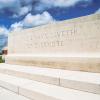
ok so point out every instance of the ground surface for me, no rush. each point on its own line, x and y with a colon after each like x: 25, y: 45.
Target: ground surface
x: 8, y: 95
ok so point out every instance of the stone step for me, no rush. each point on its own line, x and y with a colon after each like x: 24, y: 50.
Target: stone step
x: 9, y: 95
x: 84, y: 81
x: 12, y: 83
x: 40, y: 91
x: 74, y: 62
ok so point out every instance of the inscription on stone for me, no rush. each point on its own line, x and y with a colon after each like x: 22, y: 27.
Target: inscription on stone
x: 64, y: 38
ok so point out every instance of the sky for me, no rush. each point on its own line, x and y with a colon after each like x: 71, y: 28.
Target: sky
x: 21, y: 14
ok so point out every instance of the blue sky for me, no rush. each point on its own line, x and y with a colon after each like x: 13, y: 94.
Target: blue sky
x: 20, y: 14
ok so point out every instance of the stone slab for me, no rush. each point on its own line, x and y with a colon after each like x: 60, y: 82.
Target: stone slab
x: 80, y: 63
x: 72, y: 45
x: 84, y: 81
x: 8, y: 95
x: 58, y: 39
x: 12, y: 83
x: 41, y: 91
x: 33, y: 73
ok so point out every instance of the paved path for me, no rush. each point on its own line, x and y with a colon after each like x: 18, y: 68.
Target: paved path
x: 8, y: 95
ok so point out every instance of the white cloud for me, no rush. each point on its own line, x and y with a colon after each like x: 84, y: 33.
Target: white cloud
x: 8, y: 3
x: 58, y: 3
x: 33, y: 20
x: 3, y: 37
x: 22, y: 7
x: 23, y: 11
x: 98, y: 11
x: 61, y: 3
x: 39, y: 19
x: 17, y: 7
x: 16, y: 26
x: 3, y: 31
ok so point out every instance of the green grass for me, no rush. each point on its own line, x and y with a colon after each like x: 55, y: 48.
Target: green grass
x: 1, y: 61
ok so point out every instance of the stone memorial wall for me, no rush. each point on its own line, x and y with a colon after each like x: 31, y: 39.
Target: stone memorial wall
x: 72, y: 44
x: 58, y: 38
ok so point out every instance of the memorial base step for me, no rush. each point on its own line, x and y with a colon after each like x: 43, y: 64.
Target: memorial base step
x: 40, y: 91
x: 83, y: 81
x: 90, y: 63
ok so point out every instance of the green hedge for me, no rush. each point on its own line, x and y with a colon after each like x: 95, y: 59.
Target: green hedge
x: 1, y: 61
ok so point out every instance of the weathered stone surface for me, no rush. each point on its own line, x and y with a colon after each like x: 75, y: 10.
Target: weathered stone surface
x: 73, y: 37
x: 72, y: 44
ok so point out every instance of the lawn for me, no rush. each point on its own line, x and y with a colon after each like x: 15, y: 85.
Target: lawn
x: 1, y: 61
